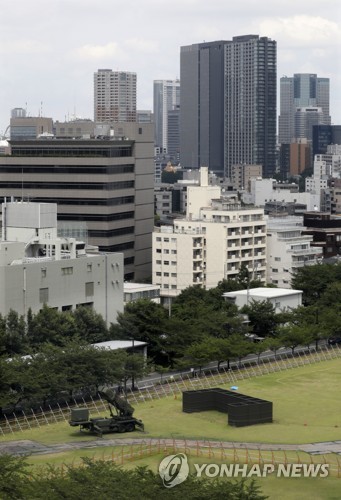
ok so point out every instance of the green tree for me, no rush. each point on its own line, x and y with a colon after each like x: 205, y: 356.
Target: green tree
x: 50, y: 325
x: 90, y: 325
x: 314, y: 280
x: 15, y: 336
x: 142, y: 320
x: 294, y: 335
x: 262, y: 317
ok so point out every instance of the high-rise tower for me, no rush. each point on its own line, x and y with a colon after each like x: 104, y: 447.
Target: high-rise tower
x: 166, y: 98
x: 302, y: 91
x: 228, y: 104
x: 114, y: 96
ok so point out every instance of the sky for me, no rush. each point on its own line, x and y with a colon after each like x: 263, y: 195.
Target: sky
x: 49, y: 50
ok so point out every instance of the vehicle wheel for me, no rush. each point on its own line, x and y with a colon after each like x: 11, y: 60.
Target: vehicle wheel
x: 130, y: 427
x: 114, y: 429
x: 122, y: 428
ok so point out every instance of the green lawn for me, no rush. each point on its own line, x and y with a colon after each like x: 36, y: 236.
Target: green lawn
x: 307, y: 408
x: 306, y: 402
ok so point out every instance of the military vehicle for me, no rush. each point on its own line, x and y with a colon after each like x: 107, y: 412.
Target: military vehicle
x: 123, y: 421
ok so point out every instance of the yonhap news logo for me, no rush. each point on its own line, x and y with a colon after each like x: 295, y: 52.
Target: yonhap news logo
x: 174, y: 470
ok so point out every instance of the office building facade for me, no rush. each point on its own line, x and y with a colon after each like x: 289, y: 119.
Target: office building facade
x: 106, y: 183
x: 228, y: 104
x: 114, y: 96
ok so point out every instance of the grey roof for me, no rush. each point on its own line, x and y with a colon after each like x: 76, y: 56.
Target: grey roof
x: 112, y: 345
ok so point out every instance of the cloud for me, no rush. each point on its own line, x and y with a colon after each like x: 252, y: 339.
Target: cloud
x: 95, y: 52
x: 303, y: 30
x: 23, y: 47
x: 141, y: 45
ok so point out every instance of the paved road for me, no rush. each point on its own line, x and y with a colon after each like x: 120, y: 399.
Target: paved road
x: 27, y: 447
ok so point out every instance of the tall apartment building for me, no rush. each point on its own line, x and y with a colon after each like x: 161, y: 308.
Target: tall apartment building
x: 228, y: 104
x: 211, y: 243
x: 105, y: 183
x: 114, y: 96
x: 166, y: 98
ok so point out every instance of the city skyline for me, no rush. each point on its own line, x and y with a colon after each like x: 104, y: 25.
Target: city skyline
x: 50, y: 51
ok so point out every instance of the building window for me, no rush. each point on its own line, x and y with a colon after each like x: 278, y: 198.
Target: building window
x: 43, y: 295
x: 166, y: 275
x: 158, y: 238
x: 277, y: 259
x: 67, y: 270
x: 89, y: 268
x: 89, y: 289
x: 165, y: 286
x: 166, y: 262
x: 158, y: 273
x: 166, y: 240
x: 158, y: 262
x: 173, y: 263
x: 275, y: 270
x: 173, y: 275
x: 158, y: 250
x: 165, y: 250
x: 174, y: 252
x: 173, y: 287
x: 43, y: 273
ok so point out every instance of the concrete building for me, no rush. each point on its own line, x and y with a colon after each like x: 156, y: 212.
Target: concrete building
x: 300, y: 156
x: 211, y: 243
x: 241, y: 175
x: 228, y: 104
x: 166, y: 98
x: 281, y: 298
x: 37, y: 267
x: 30, y: 127
x: 265, y: 190
x: 137, y: 291
x: 144, y: 116
x: 325, y: 230
x: 288, y: 248
x: 114, y: 96
x: 106, y: 183
x: 77, y: 128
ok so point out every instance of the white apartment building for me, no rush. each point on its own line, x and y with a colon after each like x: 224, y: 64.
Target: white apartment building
x: 288, y: 249
x: 37, y: 267
x: 211, y: 243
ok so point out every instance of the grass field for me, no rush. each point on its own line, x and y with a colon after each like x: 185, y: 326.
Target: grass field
x: 307, y: 408
x: 306, y: 402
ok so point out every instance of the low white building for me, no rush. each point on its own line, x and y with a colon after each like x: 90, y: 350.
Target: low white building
x: 281, y: 298
x: 136, y: 291
x: 37, y: 267
x: 265, y: 190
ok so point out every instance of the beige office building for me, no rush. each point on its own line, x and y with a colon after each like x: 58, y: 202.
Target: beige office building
x: 106, y: 184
